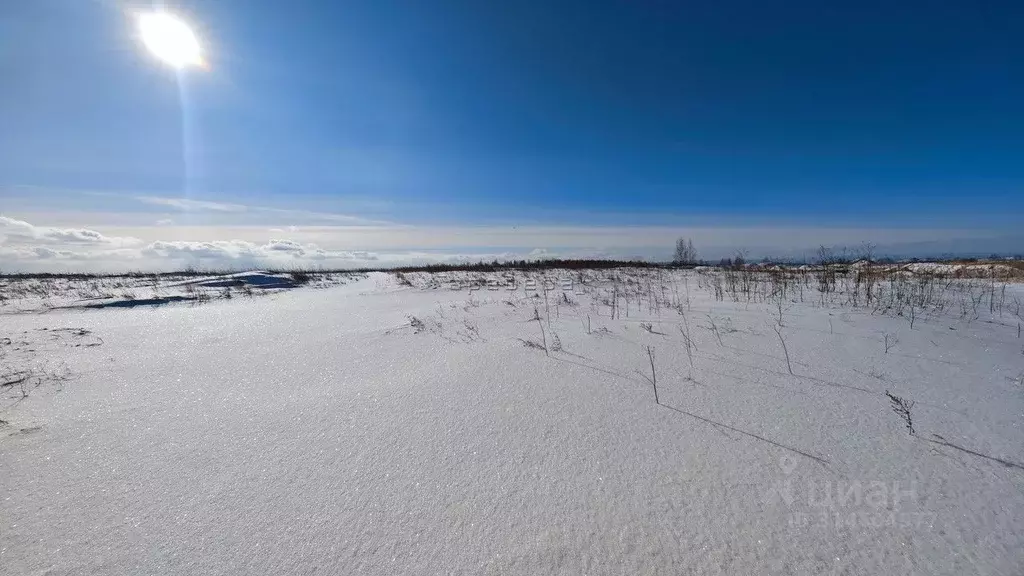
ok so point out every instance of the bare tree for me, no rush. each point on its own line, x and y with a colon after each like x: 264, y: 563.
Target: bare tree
x: 685, y: 252
x: 866, y: 251
x: 826, y: 255
x: 740, y: 259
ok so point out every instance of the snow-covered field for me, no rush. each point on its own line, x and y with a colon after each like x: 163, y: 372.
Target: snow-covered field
x: 391, y: 424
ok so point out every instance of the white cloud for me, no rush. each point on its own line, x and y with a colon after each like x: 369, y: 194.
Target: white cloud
x: 46, y: 253
x: 20, y: 232
x: 177, y: 255
x: 29, y: 248
x: 165, y: 222
x: 242, y: 253
x: 284, y: 246
x: 24, y: 246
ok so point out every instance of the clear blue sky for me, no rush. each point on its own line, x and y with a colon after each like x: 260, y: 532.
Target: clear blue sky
x: 470, y: 111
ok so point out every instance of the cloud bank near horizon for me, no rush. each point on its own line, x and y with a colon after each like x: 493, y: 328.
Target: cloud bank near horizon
x: 25, y: 247
x: 163, y: 246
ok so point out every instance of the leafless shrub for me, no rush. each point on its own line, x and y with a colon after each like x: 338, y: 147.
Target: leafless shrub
x: 647, y: 326
x: 714, y: 329
x: 785, y: 349
x: 472, y: 331
x: 691, y: 346
x: 556, y: 342
x: 543, y: 336
x: 531, y: 344
x: 402, y: 279
x: 26, y: 379
x: 17, y: 378
x: 686, y: 284
x: 417, y: 325
x: 547, y: 307
x: 890, y: 341
x: 654, y: 374
x: 44, y: 287
x: 615, y: 296
x: 902, y: 408
x: 89, y: 291
x: 300, y: 277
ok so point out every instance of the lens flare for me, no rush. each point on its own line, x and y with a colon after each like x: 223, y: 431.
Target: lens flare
x: 170, y: 39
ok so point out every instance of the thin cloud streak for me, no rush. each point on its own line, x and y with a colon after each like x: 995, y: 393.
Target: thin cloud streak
x: 186, y: 204
x: 190, y: 205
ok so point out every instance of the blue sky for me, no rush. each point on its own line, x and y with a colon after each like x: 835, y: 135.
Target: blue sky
x: 888, y: 115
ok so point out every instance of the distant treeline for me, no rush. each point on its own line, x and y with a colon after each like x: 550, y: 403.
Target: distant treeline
x: 495, y: 265
x: 492, y: 266
x: 553, y: 263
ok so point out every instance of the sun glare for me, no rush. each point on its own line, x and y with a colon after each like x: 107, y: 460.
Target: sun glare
x: 170, y: 39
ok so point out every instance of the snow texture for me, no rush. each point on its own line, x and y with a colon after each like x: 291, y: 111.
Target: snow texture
x: 403, y: 426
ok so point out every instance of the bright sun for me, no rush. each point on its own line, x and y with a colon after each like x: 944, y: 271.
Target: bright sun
x: 170, y: 39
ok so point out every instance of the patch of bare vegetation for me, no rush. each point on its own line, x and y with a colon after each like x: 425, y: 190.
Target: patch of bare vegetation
x: 21, y: 372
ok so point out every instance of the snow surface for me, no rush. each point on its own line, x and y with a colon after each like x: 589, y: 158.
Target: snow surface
x: 381, y: 428
x: 41, y: 294
x: 972, y: 269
